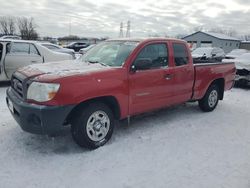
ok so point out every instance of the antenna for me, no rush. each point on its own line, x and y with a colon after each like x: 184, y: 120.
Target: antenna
x: 70, y: 26
x: 121, y: 30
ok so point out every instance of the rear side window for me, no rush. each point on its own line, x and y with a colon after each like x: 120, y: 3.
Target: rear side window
x: 20, y: 48
x: 180, y: 54
x: 158, y: 53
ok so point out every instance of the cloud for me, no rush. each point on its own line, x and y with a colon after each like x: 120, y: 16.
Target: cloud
x: 103, y: 17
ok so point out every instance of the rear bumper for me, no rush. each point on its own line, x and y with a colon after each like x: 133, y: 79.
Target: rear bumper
x: 242, y: 74
x: 37, y: 119
x: 238, y: 77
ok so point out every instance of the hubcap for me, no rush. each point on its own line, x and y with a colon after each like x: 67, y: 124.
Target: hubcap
x: 212, y: 99
x: 98, y: 126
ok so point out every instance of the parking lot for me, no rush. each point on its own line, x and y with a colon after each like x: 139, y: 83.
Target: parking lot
x: 176, y: 147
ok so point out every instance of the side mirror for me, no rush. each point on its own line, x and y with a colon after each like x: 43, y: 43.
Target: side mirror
x: 142, y: 64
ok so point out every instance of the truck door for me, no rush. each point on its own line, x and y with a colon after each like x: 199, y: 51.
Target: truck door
x: 183, y: 73
x: 19, y: 54
x: 151, y: 88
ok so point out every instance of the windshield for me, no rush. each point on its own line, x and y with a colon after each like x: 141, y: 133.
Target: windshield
x: 89, y: 47
x: 202, y: 51
x: 112, y: 53
x: 51, y: 47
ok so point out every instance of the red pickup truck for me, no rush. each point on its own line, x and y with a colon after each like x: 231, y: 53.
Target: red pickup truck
x: 116, y: 79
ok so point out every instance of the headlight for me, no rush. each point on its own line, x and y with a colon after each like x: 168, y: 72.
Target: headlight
x: 42, y: 92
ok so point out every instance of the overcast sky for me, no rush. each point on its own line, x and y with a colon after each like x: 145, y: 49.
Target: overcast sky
x: 102, y: 17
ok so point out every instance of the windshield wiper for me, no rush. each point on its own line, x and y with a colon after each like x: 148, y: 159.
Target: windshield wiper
x: 93, y: 62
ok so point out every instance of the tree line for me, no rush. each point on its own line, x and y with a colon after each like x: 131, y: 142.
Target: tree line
x: 22, y: 26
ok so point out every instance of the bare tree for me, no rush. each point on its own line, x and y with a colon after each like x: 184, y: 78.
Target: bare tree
x: 27, y: 28
x: 8, y: 25
x: 198, y: 28
x: 246, y: 37
x: 12, y: 25
x: 229, y: 32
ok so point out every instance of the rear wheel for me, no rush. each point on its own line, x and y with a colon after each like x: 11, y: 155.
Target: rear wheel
x: 209, y: 102
x: 93, y: 126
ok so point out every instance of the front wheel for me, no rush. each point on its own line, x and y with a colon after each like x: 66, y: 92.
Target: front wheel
x: 93, y: 126
x: 209, y: 102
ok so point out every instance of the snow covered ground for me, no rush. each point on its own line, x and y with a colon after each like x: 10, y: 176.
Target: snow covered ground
x: 176, y: 148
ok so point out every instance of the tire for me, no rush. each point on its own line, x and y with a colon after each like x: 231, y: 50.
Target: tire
x: 93, y: 126
x: 209, y: 102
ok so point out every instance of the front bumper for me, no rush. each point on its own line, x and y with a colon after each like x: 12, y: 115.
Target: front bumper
x: 37, y: 119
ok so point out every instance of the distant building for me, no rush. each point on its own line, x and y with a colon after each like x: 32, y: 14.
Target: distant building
x: 209, y: 39
x: 245, y: 45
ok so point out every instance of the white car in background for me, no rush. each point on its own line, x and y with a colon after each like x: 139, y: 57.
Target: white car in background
x: 58, y: 48
x: 242, y: 64
x: 234, y: 54
x: 15, y: 54
x: 208, y: 53
x: 14, y: 37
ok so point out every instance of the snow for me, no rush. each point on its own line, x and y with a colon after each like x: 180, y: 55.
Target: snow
x: 216, y: 35
x: 199, y: 52
x: 236, y: 53
x: 62, y: 68
x: 176, y: 147
x: 221, y: 36
x: 243, y: 61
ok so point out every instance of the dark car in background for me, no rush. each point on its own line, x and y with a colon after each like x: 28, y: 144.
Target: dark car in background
x: 76, y: 46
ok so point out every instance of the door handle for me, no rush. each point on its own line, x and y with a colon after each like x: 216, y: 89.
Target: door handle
x: 169, y: 76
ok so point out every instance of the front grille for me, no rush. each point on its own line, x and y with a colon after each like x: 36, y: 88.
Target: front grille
x: 17, y: 85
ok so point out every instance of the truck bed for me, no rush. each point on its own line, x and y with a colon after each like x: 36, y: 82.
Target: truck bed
x: 205, y: 73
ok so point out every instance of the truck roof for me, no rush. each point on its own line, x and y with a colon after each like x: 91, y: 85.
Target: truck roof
x: 146, y: 39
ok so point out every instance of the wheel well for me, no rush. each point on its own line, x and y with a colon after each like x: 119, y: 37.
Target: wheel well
x: 221, y: 84
x: 110, y: 101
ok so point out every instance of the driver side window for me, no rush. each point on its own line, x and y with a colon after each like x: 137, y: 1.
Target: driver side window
x: 157, y: 53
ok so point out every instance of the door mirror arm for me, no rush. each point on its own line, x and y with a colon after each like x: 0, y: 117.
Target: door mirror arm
x: 141, y: 64
x: 133, y: 69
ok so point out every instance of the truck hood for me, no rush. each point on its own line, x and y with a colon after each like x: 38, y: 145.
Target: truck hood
x: 55, y: 70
